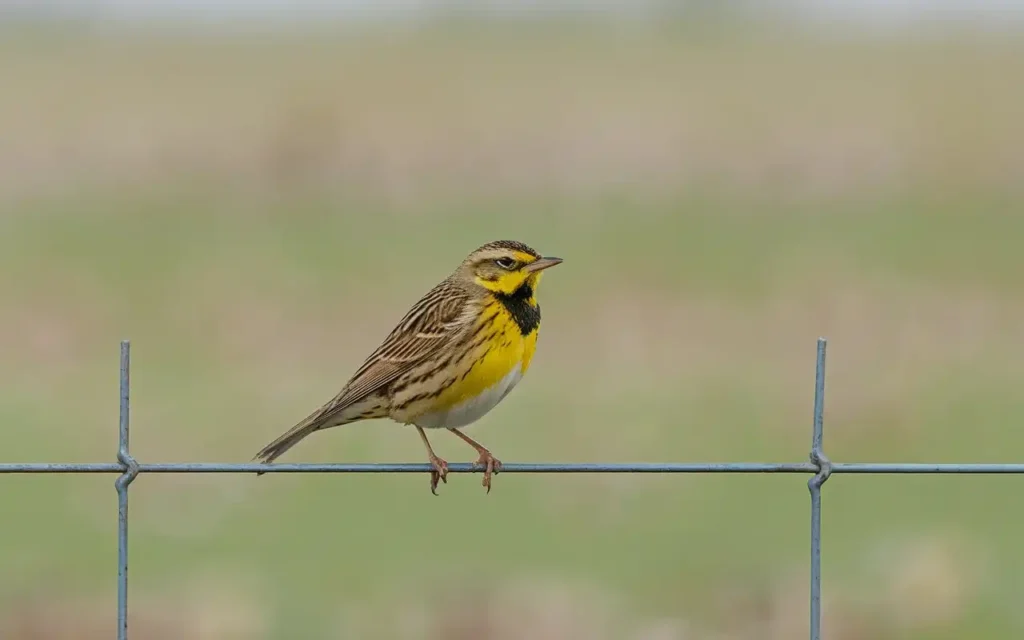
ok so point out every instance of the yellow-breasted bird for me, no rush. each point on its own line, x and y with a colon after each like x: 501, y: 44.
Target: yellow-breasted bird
x: 453, y: 357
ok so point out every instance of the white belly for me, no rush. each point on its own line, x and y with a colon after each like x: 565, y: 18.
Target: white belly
x: 471, y: 410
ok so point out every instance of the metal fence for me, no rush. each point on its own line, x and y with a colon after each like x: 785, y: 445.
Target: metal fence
x: 819, y: 466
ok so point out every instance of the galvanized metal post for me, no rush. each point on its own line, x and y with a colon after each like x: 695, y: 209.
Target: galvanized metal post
x: 824, y: 466
x: 130, y: 469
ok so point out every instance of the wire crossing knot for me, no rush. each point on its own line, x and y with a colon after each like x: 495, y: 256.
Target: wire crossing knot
x: 823, y: 466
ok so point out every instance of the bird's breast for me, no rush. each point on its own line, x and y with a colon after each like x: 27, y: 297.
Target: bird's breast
x: 492, y: 366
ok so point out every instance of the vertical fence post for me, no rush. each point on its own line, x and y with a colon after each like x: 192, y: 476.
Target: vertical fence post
x: 824, y: 465
x: 130, y: 469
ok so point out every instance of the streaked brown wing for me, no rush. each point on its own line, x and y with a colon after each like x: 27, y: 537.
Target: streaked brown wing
x: 437, y: 320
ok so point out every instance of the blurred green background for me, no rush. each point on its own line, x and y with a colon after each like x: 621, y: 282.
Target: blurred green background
x: 255, y: 209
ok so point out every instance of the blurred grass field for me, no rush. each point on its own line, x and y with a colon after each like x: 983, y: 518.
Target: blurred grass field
x: 254, y: 213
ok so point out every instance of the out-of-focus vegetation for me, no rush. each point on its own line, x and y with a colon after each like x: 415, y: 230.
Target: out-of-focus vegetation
x: 254, y: 212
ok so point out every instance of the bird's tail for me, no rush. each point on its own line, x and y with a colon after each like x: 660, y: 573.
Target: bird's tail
x: 332, y: 414
x: 288, y: 440
x: 313, y: 422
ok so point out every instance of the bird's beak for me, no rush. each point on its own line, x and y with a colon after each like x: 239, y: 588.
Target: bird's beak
x: 541, y: 263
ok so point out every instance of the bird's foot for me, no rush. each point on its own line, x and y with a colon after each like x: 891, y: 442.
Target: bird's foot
x: 438, y: 474
x: 491, y: 466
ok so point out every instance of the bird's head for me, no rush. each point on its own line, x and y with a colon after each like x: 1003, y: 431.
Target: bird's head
x: 505, y: 267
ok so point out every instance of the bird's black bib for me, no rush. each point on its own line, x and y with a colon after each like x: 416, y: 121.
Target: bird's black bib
x: 525, y: 315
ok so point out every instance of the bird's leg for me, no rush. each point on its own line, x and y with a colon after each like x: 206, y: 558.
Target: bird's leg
x: 490, y: 464
x: 440, y: 472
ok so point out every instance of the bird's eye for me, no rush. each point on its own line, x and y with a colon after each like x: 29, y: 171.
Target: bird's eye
x: 506, y: 263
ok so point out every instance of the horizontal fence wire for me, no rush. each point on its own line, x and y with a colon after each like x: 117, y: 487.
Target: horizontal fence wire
x: 819, y: 467
x: 874, y: 468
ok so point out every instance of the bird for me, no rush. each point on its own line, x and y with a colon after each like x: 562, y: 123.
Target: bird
x: 457, y: 353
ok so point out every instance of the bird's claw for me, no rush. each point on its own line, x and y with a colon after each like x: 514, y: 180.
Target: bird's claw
x: 491, y: 466
x: 438, y: 474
